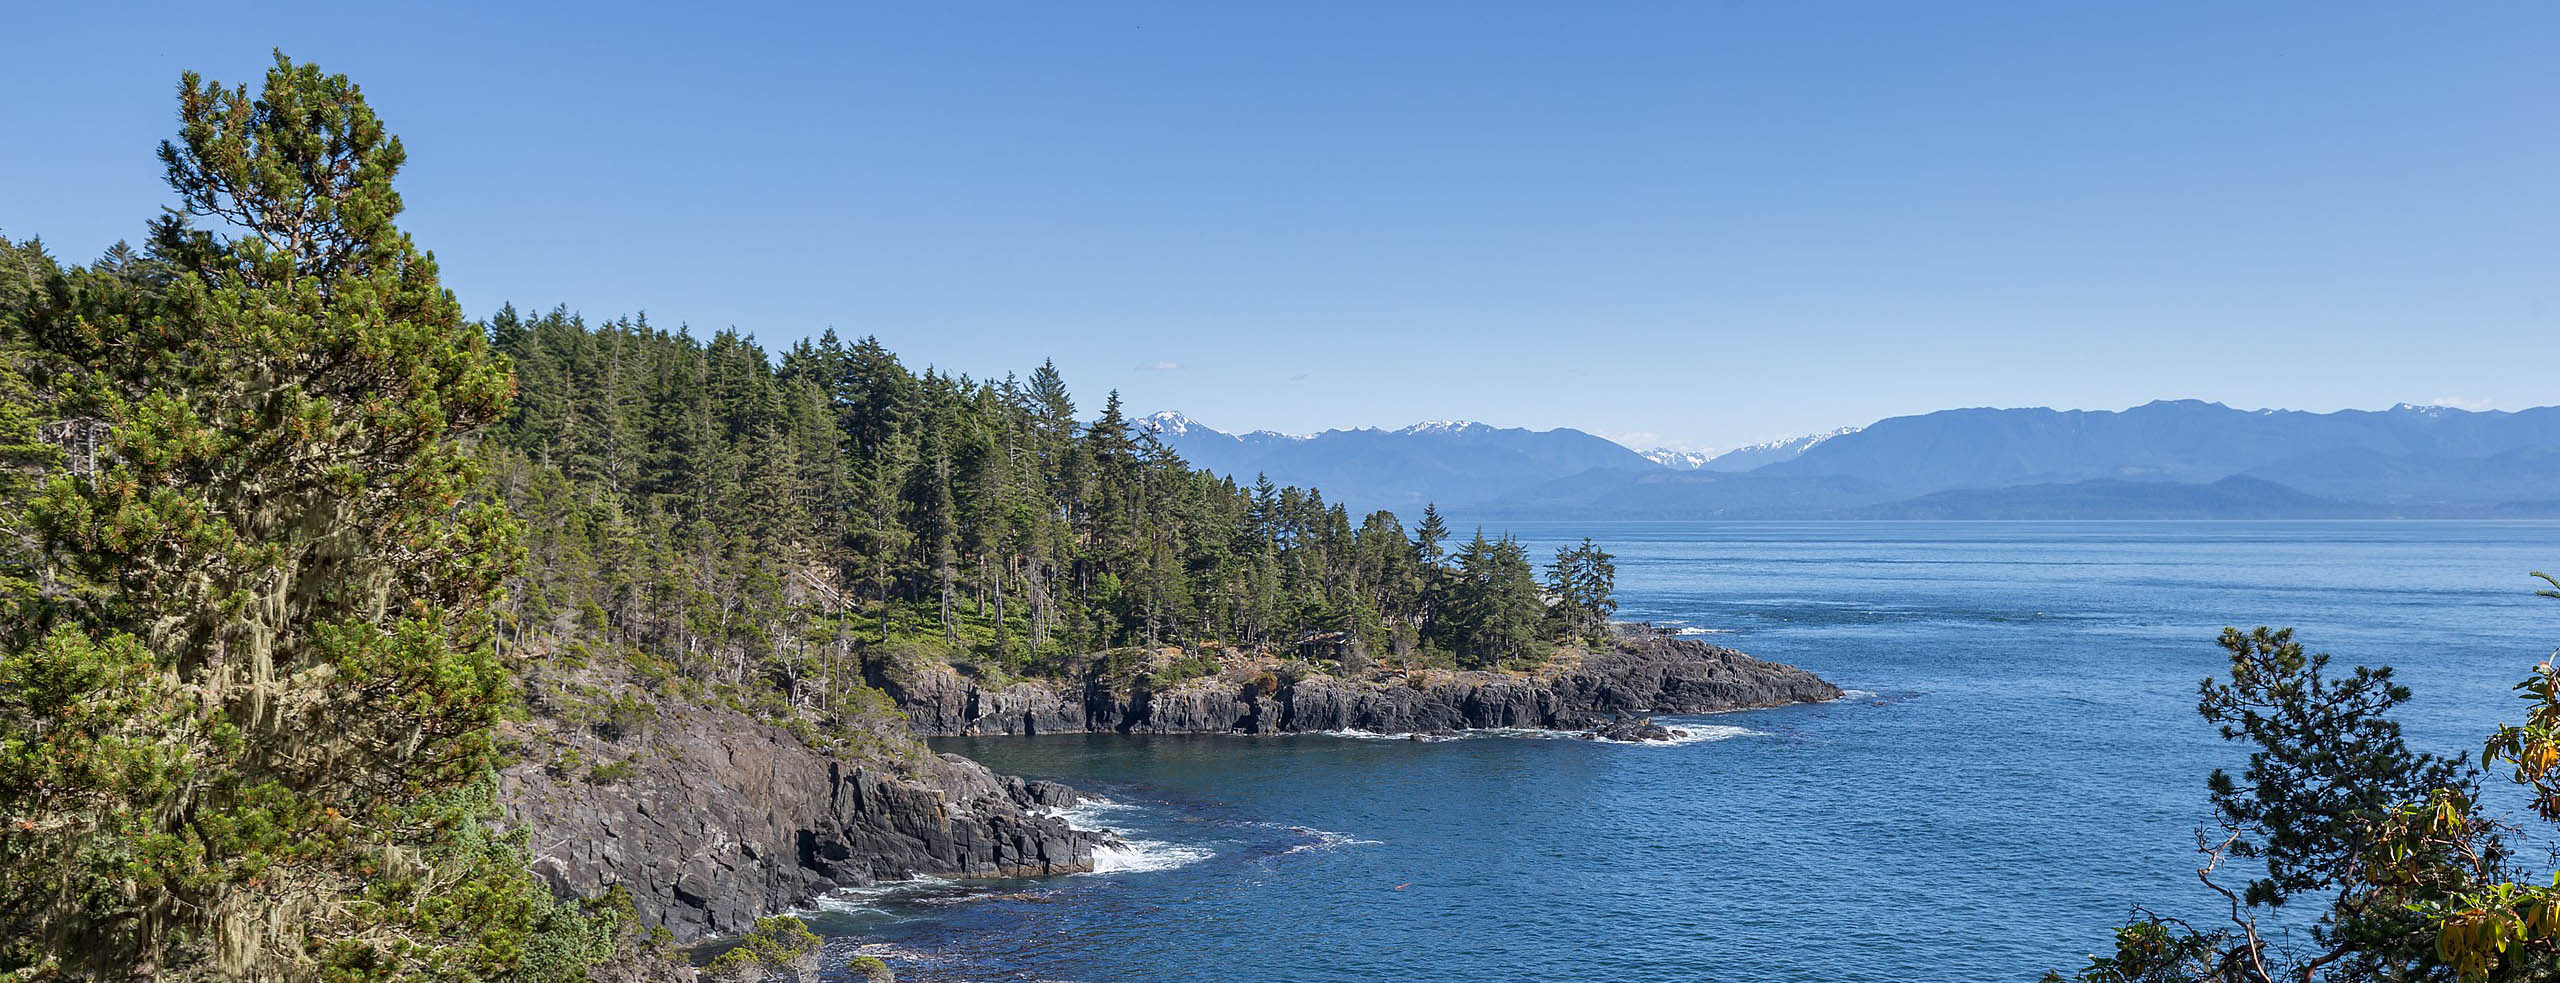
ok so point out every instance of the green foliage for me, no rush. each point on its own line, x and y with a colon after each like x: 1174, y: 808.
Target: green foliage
x: 869, y: 969
x: 2152, y: 949
x: 2418, y: 883
x: 1195, y: 664
x: 1495, y: 617
x: 801, y: 526
x: 246, y: 719
x: 777, y: 947
x: 1584, y: 581
x: 264, y: 611
x: 607, y: 774
x: 2327, y: 761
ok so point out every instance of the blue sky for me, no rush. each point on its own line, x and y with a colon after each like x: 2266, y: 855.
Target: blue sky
x: 1709, y: 223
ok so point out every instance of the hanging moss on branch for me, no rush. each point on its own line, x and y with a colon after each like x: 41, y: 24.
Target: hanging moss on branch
x: 249, y: 685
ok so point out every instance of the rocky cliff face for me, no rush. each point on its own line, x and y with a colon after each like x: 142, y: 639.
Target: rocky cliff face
x: 1639, y: 672
x: 711, y: 817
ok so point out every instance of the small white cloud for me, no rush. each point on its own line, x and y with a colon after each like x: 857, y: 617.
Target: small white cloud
x: 1636, y: 439
x: 1158, y: 366
x: 2464, y: 403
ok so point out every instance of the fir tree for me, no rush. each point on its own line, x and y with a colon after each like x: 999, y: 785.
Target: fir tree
x: 246, y: 731
x: 1583, y: 581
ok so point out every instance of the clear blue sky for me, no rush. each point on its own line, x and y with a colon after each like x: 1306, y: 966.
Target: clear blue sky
x: 1711, y: 222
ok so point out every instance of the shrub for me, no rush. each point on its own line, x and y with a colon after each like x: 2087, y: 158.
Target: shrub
x: 624, y: 715
x: 1122, y: 663
x: 608, y: 774
x: 780, y: 946
x: 1182, y: 670
x: 869, y: 969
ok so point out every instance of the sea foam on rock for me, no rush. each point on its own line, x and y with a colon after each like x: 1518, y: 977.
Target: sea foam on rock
x: 1631, y: 730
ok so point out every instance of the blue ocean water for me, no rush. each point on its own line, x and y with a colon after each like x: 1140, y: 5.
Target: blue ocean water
x: 2021, y: 763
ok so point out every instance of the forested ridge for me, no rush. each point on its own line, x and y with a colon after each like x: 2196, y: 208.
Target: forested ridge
x: 777, y: 518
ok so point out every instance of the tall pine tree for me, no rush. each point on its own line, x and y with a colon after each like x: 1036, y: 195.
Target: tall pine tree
x: 246, y: 727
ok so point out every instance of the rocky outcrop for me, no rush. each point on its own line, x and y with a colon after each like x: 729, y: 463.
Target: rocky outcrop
x: 1639, y: 672
x: 1631, y: 730
x: 710, y: 817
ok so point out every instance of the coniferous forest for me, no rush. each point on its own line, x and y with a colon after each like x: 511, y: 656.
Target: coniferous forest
x: 766, y: 518
x: 288, y: 541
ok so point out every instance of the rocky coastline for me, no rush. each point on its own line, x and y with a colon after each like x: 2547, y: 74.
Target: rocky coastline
x: 1638, y: 672
x: 711, y: 817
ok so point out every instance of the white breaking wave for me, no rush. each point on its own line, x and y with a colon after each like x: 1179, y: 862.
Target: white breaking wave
x: 854, y: 899
x: 1087, y: 815
x: 1319, y: 839
x: 1140, y: 856
x: 1371, y: 735
x: 895, y: 954
x: 1705, y: 631
x: 1325, y: 839
x: 840, y: 904
x: 1682, y: 734
x: 1700, y: 734
x: 1131, y: 854
x: 1857, y: 694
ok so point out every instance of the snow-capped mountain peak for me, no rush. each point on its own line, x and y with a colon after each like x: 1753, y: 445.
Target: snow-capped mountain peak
x: 1440, y: 426
x: 1678, y: 460
x: 1743, y: 458
x: 1795, y: 445
x: 1171, y: 423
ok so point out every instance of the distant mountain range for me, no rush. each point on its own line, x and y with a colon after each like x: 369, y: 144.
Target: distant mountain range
x: 2166, y: 459
x: 1443, y: 461
x: 1742, y: 458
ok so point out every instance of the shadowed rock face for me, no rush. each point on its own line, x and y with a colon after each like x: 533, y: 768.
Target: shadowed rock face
x: 1638, y: 673
x: 717, y: 817
x: 723, y: 818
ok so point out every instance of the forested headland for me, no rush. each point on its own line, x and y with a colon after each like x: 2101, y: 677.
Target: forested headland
x: 294, y: 558
x: 768, y: 518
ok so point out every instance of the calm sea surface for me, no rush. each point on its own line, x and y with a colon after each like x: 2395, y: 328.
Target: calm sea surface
x: 2019, y: 763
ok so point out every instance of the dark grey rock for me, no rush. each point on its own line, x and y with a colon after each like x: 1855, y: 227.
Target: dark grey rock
x: 725, y: 818
x: 1637, y: 673
x: 1632, y: 729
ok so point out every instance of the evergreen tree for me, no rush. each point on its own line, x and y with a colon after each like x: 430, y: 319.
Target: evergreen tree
x: 1583, y: 581
x: 246, y: 728
x: 880, y: 529
x: 1023, y: 539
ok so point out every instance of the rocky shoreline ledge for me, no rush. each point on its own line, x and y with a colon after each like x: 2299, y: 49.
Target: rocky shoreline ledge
x: 711, y: 817
x: 1639, y: 672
